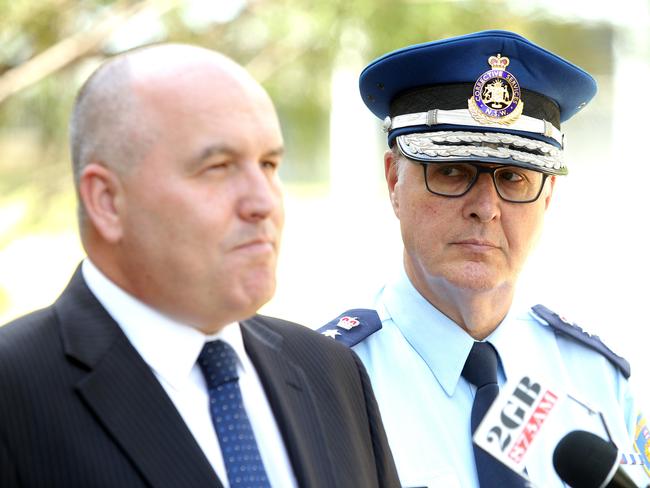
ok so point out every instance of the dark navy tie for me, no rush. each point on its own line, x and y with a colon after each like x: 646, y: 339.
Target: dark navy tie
x: 218, y: 361
x: 481, y: 371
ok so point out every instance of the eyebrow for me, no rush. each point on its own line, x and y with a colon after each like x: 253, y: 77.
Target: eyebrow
x: 227, y: 150
x: 278, y: 152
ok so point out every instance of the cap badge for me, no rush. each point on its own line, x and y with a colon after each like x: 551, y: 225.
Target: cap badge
x: 496, y: 98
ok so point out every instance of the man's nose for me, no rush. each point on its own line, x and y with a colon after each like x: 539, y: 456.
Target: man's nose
x: 261, y: 194
x: 482, y: 202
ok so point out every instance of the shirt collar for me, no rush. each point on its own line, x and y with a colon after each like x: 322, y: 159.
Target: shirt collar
x: 510, y: 339
x: 439, y: 341
x: 169, y: 347
x: 524, y: 346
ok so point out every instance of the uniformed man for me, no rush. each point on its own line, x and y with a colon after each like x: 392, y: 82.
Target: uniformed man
x: 474, y: 130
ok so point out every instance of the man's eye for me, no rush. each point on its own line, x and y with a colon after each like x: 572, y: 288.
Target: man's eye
x: 452, y: 171
x: 271, y: 165
x: 511, y: 176
x: 216, y: 165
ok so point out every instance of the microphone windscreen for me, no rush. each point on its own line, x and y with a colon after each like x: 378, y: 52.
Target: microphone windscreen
x: 584, y: 460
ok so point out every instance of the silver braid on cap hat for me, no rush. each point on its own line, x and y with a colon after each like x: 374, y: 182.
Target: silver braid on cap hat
x: 457, y: 145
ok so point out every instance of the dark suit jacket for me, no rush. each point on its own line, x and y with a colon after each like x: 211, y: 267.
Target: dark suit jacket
x: 80, y: 408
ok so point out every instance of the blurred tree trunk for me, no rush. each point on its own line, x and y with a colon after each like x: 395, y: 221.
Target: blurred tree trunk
x: 70, y: 49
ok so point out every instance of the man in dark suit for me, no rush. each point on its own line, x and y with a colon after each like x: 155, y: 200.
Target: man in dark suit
x: 152, y: 368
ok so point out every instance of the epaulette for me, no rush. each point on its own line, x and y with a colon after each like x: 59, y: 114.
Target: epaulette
x: 352, y: 326
x: 561, y: 326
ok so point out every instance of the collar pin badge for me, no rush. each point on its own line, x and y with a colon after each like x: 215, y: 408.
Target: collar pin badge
x: 496, y: 97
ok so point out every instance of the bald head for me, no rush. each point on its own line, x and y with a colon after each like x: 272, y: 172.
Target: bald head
x: 113, y: 121
x: 176, y: 152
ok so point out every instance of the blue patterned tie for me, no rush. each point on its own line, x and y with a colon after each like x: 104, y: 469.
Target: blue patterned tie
x: 218, y: 361
x: 481, y: 371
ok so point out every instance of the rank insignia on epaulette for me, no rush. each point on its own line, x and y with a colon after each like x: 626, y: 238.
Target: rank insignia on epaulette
x: 496, y: 97
x: 570, y: 322
x: 563, y: 326
x: 347, y: 322
x: 352, y: 326
x: 331, y: 333
x: 642, y: 442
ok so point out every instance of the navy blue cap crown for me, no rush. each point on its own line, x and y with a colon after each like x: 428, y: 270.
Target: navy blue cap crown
x: 429, y: 85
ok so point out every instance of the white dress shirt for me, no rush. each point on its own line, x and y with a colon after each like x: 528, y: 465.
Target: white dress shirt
x: 171, y: 350
x: 415, y: 363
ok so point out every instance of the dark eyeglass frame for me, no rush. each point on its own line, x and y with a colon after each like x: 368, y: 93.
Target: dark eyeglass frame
x: 480, y: 169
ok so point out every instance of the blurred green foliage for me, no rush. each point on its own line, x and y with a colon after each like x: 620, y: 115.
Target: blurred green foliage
x: 291, y: 46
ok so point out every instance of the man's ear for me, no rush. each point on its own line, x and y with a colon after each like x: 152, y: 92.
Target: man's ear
x: 100, y: 191
x: 547, y: 199
x: 392, y: 177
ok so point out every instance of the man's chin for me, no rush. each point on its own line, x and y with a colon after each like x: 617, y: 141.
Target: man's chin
x: 475, y: 277
x: 255, y: 293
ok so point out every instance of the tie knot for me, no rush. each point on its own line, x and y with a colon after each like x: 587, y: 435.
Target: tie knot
x: 218, y: 361
x: 481, y: 365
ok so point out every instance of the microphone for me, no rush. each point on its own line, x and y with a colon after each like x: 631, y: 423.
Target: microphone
x: 584, y: 460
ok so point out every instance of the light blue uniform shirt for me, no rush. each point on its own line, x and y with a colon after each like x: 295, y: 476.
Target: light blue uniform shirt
x: 415, y: 363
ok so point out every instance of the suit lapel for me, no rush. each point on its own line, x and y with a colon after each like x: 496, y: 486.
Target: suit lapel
x: 124, y: 395
x: 293, y: 405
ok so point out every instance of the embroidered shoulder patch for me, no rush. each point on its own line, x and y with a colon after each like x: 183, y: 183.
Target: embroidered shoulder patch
x: 352, y: 326
x: 562, y: 326
x: 642, y: 442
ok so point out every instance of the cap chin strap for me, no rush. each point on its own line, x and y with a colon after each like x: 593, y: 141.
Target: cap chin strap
x: 463, y: 117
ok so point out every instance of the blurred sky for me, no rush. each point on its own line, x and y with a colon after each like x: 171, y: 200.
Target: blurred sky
x: 341, y: 241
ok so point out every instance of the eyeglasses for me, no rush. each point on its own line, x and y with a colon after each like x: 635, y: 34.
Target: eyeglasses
x: 513, y: 184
